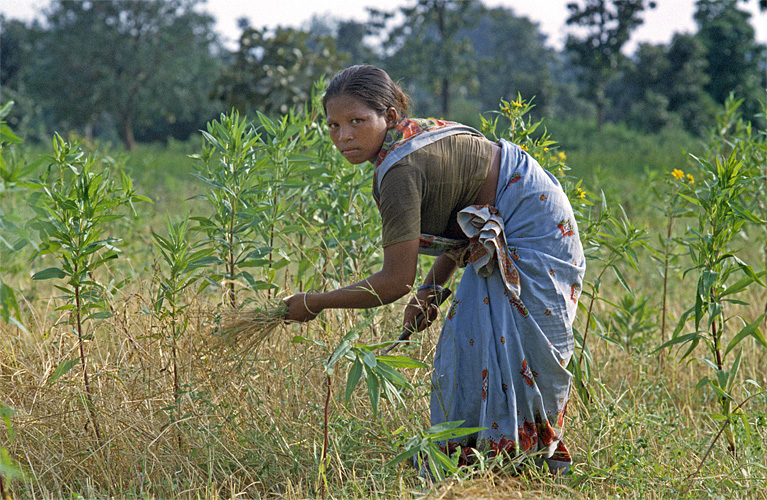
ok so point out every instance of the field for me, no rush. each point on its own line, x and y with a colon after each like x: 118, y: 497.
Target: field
x: 117, y: 269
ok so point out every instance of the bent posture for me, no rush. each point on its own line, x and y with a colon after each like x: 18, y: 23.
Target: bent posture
x: 443, y: 188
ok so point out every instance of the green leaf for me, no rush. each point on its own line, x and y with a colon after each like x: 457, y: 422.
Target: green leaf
x: 621, y: 279
x: 61, y: 370
x: 7, y: 135
x: 355, y: 373
x: 339, y: 353
x: 405, y: 455
x: 682, y: 339
x: 8, y: 304
x: 374, y: 392
x: 298, y: 339
x: 401, y: 361
x: 50, y: 273
x: 720, y: 392
x: 752, y: 330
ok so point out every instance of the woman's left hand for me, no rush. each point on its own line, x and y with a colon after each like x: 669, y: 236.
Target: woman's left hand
x: 421, y: 305
x: 298, y: 308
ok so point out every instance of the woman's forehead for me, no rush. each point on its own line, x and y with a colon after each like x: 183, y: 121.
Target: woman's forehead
x: 344, y: 104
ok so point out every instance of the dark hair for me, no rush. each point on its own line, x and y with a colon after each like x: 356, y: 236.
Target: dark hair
x: 371, y: 85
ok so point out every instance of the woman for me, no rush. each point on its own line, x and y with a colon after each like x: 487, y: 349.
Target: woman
x: 440, y: 186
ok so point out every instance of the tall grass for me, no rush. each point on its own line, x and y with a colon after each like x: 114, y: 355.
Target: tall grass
x: 182, y: 419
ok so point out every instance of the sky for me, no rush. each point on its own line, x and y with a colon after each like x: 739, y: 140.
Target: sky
x: 669, y: 17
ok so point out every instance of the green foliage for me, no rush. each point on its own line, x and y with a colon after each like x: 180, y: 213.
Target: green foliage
x: 132, y: 61
x: 719, y: 204
x: 512, y: 59
x: 429, y: 47
x: 74, y: 211
x: 631, y: 323
x: 598, y: 53
x: 9, y: 468
x: 274, y: 70
x: 427, y: 446
x: 247, y: 173
x: 381, y: 377
x: 664, y: 86
x: 183, y: 264
x: 183, y: 267
x: 14, y: 173
x: 733, y: 57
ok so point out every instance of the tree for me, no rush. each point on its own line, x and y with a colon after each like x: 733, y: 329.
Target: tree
x: 608, y: 27
x: 513, y: 58
x: 16, y: 50
x: 350, y: 39
x: 732, y: 53
x: 664, y: 84
x: 275, y: 69
x: 429, y: 47
x: 135, y: 62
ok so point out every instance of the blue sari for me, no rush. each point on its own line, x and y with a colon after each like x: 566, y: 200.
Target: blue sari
x: 501, y: 358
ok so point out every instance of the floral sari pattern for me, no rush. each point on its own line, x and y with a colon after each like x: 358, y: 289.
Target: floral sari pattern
x: 501, y: 357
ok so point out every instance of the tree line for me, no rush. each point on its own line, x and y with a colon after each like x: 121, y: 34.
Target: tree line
x: 155, y: 69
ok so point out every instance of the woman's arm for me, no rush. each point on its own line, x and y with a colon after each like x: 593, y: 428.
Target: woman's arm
x: 443, y: 268
x: 389, y: 284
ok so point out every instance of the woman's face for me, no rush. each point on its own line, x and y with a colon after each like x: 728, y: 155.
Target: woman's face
x: 356, y: 130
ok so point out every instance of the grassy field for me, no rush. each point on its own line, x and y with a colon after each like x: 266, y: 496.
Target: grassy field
x: 181, y: 415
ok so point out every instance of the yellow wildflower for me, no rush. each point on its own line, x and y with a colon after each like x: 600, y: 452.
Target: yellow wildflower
x: 690, y: 178
x: 581, y: 193
x: 562, y: 155
x: 516, y: 104
x: 678, y: 174
x: 523, y: 146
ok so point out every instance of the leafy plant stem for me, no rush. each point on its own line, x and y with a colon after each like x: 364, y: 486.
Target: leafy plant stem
x: 81, y: 346
x: 230, y: 265
x: 665, y: 279
x: 724, y: 426
x: 324, y: 457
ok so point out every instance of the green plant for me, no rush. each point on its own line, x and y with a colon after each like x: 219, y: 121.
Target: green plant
x: 380, y: 373
x: 231, y: 160
x: 673, y: 206
x: 608, y: 240
x: 13, y: 171
x: 246, y: 172
x: 631, y: 323
x: 183, y: 264
x: 74, y: 210
x: 9, y: 468
x: 721, y: 215
x: 427, y: 448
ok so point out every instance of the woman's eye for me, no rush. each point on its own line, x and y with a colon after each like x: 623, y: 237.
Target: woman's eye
x: 356, y: 120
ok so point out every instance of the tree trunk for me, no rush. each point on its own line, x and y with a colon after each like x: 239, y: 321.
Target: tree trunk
x: 126, y: 133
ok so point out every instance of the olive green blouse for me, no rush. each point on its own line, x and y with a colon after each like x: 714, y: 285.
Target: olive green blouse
x: 423, y: 192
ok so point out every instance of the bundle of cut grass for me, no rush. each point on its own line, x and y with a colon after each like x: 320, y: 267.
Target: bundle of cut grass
x: 244, y: 330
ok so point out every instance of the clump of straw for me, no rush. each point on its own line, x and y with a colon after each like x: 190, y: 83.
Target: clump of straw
x: 244, y: 330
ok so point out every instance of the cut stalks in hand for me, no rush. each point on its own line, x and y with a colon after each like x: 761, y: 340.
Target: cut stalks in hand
x: 245, y: 330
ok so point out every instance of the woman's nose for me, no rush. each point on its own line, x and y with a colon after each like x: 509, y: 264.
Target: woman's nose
x: 344, y: 133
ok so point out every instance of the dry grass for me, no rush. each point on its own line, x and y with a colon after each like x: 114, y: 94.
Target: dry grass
x: 248, y: 424
x: 246, y: 329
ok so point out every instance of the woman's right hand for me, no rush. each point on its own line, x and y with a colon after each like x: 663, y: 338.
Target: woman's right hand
x: 298, y: 308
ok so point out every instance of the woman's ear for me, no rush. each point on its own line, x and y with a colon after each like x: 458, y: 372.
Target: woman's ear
x: 392, y: 117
